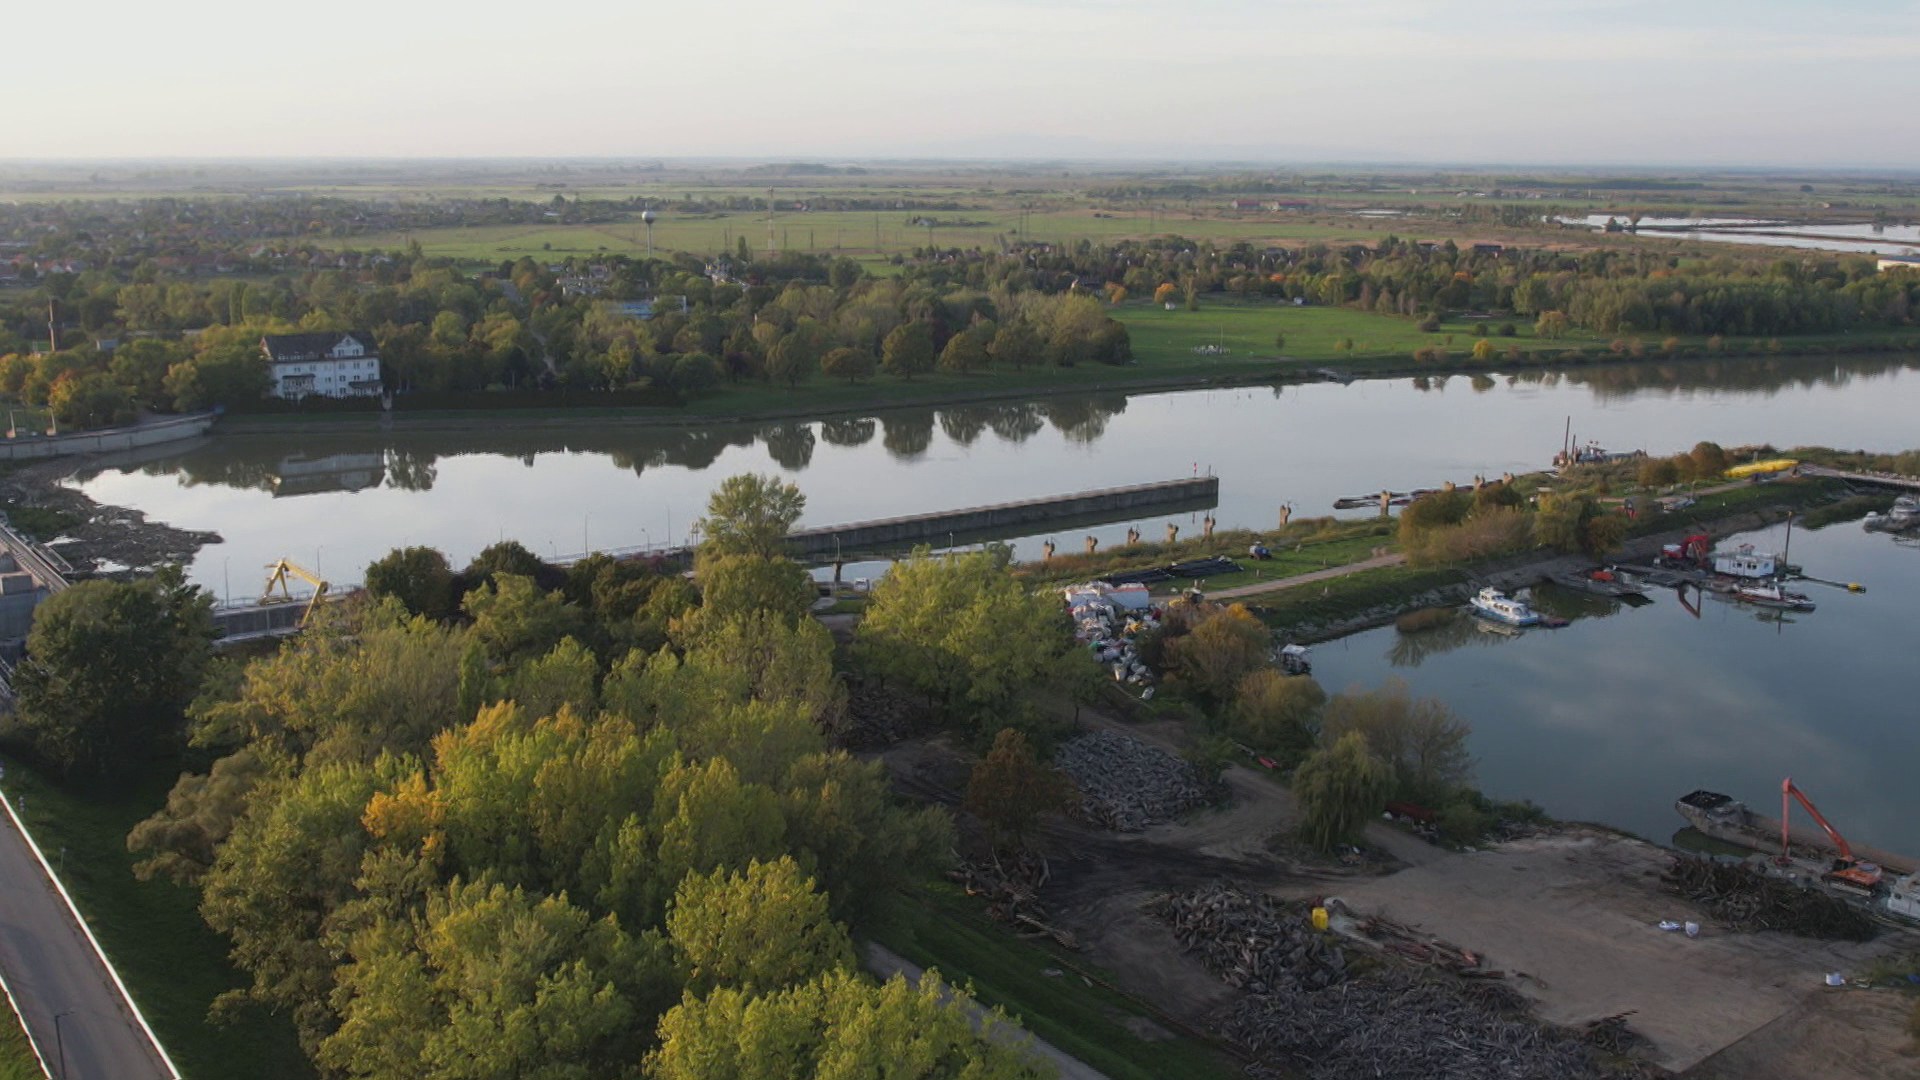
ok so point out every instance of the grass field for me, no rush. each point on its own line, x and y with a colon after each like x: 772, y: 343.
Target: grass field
x: 944, y: 929
x: 17, y: 1061
x: 152, y: 930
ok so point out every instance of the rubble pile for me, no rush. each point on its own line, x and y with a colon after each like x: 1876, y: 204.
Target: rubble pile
x: 1307, y: 1007
x: 1109, y: 620
x: 1741, y: 898
x: 879, y: 715
x: 1126, y: 784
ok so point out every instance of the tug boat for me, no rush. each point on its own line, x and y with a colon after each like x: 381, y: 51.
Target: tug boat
x: 1493, y: 604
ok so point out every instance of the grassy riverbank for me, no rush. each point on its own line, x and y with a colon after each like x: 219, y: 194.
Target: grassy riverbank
x: 171, y: 961
x: 17, y: 1061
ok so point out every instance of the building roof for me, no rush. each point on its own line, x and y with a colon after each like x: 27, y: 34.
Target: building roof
x: 312, y: 346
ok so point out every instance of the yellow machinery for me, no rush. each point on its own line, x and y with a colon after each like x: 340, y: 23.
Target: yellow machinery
x: 1761, y: 468
x: 277, y: 579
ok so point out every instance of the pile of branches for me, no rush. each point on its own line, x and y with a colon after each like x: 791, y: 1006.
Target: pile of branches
x: 1126, y: 784
x: 1010, y: 884
x: 1742, y: 898
x: 879, y: 715
x: 1320, y: 1016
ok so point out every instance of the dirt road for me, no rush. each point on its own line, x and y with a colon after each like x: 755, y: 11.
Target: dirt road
x: 1311, y: 576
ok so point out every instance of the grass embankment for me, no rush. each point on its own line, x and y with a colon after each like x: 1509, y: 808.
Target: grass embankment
x: 171, y: 961
x: 1312, y: 544
x: 942, y: 928
x: 17, y: 1061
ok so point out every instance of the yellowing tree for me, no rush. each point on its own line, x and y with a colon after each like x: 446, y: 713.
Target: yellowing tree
x: 756, y: 931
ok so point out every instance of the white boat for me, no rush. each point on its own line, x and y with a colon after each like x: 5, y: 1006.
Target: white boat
x: 1770, y: 594
x: 1744, y: 562
x: 1494, y: 604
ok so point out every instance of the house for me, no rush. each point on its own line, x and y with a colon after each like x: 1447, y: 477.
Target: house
x: 1247, y: 204
x: 335, y: 363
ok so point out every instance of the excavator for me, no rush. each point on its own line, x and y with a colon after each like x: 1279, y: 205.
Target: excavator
x: 1846, y: 869
x: 277, y: 578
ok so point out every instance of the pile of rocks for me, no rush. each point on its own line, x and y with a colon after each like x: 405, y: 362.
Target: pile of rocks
x: 1127, y: 784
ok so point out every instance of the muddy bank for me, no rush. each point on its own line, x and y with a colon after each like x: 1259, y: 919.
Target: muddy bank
x: 94, y: 538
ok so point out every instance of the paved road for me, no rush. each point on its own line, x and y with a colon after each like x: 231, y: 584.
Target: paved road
x: 52, y: 969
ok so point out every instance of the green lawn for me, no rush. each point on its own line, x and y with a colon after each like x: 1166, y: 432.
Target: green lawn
x: 170, y: 960
x: 943, y: 929
x: 17, y: 1061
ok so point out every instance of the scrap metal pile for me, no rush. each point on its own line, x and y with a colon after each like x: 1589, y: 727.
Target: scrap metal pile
x: 1126, y: 784
x: 1109, y: 620
x: 1310, y: 1010
x: 1742, y: 898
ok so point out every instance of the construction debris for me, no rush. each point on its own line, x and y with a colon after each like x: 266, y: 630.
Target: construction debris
x: 1126, y: 784
x: 1310, y: 1009
x: 1742, y: 898
x: 1010, y: 884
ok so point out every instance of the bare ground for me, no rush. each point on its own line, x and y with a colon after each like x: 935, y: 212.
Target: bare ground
x: 1574, y: 912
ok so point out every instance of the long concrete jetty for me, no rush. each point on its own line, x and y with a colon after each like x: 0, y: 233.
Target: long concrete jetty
x: 1008, y: 519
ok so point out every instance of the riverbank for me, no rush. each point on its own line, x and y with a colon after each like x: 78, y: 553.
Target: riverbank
x: 822, y: 400
x: 93, y: 537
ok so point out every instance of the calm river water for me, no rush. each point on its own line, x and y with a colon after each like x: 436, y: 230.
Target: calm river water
x: 1602, y: 720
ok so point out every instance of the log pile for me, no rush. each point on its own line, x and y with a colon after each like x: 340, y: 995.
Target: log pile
x: 1010, y: 884
x: 1309, y: 1011
x: 879, y: 715
x: 1741, y: 898
x: 1126, y: 784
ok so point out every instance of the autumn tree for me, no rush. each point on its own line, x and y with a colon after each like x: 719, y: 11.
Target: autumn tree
x: 1221, y: 649
x: 1015, y: 344
x: 1277, y: 714
x: 907, y: 351
x: 755, y: 931
x: 1421, y: 742
x: 1010, y: 788
x: 1552, y: 325
x: 1339, y: 789
x: 750, y: 514
x: 849, y: 364
x: 964, y: 353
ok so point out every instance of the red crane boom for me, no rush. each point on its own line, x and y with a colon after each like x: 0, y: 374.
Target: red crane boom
x: 1846, y: 868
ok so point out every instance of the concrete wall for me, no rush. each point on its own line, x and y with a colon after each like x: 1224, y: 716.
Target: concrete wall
x: 906, y: 531
x: 106, y: 439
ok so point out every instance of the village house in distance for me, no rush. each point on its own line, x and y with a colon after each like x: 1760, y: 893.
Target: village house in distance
x: 329, y: 363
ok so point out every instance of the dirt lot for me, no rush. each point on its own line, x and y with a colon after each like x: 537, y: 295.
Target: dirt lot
x: 1575, y: 912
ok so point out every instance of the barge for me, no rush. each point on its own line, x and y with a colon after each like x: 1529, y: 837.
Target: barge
x: 1885, y: 883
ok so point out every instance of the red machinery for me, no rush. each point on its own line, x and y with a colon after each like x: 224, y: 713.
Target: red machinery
x: 1846, y: 870
x: 1693, y: 549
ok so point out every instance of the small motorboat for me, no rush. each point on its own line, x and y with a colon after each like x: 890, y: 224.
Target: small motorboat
x: 1493, y: 604
x: 1769, y: 594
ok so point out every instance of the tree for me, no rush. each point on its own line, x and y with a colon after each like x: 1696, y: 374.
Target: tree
x: 416, y: 576
x: 1010, y: 788
x: 1277, y: 714
x: 964, y: 352
x: 907, y: 350
x: 960, y: 628
x: 1551, y: 325
x: 110, y: 668
x: 1659, y: 473
x: 750, y: 514
x: 1220, y: 650
x: 757, y: 931
x: 517, y: 621
x: 228, y: 374
x: 1484, y: 349
x: 849, y: 364
x: 91, y: 399
x: 797, y: 354
x: 1015, y: 344
x: 1339, y: 789
x: 1709, y: 461
x: 1422, y: 743
x: 1280, y: 340
x: 141, y: 366
x: 732, y: 586
x: 841, y: 1025
x: 1165, y: 293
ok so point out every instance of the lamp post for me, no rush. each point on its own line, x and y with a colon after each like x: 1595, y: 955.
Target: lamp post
x: 648, y: 217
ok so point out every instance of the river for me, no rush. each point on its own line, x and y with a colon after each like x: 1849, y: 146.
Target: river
x: 1609, y: 719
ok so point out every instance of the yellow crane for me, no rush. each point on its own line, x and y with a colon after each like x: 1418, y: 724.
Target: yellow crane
x: 277, y: 579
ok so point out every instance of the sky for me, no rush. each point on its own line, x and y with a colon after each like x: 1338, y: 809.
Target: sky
x: 1577, y: 82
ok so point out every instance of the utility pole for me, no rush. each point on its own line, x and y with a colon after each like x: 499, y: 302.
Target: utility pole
x: 53, y: 329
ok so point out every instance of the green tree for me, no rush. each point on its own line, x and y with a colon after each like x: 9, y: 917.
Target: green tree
x: 732, y: 586
x: 840, y: 1025
x: 1339, y: 789
x: 228, y: 374
x: 750, y: 514
x: 964, y: 352
x: 796, y: 356
x: 110, y: 669
x: 849, y: 364
x: 1277, y: 714
x: 1010, y: 788
x: 1552, y: 325
x: 907, y: 351
x: 1658, y: 473
x: 91, y: 399
x: 757, y: 931
x: 1709, y: 461
x: 141, y: 367
x: 418, y: 577
x: 563, y: 678
x: 1016, y: 345
x: 1422, y: 743
x: 1221, y: 649
x: 960, y: 628
x: 516, y: 621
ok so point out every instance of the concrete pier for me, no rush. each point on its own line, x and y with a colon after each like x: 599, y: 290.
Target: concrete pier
x: 1008, y: 519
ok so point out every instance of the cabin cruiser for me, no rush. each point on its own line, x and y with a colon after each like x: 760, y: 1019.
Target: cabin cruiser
x: 1493, y: 604
x: 1770, y: 594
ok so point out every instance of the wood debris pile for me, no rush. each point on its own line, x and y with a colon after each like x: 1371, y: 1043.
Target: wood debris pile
x: 1309, y: 1010
x: 1010, y: 884
x: 879, y: 715
x: 1126, y: 784
x: 1742, y: 898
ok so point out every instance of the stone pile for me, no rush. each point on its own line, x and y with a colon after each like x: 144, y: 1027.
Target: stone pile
x: 1128, y: 785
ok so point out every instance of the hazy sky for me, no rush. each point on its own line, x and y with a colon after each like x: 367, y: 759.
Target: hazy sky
x: 1575, y: 81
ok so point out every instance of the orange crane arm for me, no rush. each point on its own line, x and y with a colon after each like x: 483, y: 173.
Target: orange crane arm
x: 1789, y: 792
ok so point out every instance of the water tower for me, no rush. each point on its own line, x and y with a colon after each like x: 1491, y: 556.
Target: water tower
x: 648, y: 217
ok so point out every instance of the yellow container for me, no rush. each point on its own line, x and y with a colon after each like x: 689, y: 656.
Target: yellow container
x: 1319, y: 918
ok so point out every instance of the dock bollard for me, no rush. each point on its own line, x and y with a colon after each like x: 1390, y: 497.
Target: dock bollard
x: 1173, y: 532
x: 1093, y: 544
